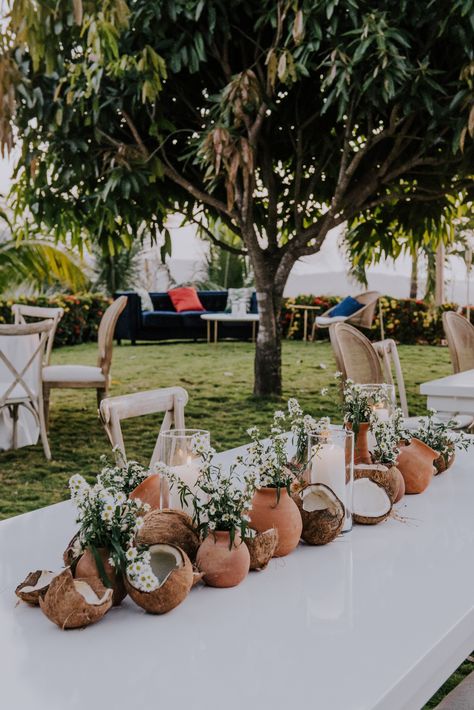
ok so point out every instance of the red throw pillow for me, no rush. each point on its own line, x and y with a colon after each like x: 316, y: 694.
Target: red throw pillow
x: 185, y: 299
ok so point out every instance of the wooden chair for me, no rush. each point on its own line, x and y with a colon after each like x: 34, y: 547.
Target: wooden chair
x: 24, y: 387
x: 22, y: 312
x: 170, y: 400
x: 363, y: 318
x: 355, y: 355
x: 87, y: 376
x: 460, y: 336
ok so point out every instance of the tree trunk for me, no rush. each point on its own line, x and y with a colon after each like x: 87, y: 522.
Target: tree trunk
x: 414, y: 275
x: 268, y: 348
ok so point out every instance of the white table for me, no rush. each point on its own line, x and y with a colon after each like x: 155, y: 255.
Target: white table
x: 18, y: 350
x: 217, y: 318
x: 376, y: 620
x: 454, y: 393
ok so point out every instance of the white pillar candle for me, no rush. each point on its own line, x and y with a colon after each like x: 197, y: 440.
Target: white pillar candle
x: 328, y: 466
x: 382, y: 413
x: 188, y: 473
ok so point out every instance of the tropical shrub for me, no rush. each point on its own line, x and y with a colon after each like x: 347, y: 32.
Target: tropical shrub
x: 82, y: 314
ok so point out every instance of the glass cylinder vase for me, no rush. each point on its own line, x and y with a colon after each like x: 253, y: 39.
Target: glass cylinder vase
x: 331, y: 462
x: 382, y: 399
x: 177, y: 449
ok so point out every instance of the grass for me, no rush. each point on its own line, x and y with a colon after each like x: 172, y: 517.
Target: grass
x: 218, y: 379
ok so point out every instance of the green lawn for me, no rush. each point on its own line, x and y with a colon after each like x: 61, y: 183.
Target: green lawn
x: 219, y: 381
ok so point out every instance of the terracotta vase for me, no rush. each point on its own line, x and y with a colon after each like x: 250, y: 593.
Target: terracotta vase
x: 269, y: 511
x: 361, y: 443
x: 221, y: 564
x: 416, y: 464
x: 86, y: 568
x: 149, y: 491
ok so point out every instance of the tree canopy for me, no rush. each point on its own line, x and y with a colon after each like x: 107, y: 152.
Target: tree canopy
x: 282, y: 119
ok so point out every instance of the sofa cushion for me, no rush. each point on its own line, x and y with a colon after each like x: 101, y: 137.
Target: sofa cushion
x: 238, y: 300
x: 346, y: 308
x: 185, y: 299
x: 161, y: 319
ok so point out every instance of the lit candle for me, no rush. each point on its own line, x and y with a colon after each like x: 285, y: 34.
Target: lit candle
x: 188, y: 473
x: 381, y: 412
x: 328, y: 466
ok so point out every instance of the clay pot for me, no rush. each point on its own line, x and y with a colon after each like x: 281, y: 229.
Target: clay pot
x: 149, y: 491
x: 269, y: 511
x: 444, y: 461
x: 416, y: 464
x: 223, y: 565
x: 86, y: 568
x: 361, y: 444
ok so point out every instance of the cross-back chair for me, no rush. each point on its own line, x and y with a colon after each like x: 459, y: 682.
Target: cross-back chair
x: 87, y: 376
x: 22, y: 386
x: 460, y: 336
x: 170, y: 401
x: 22, y: 313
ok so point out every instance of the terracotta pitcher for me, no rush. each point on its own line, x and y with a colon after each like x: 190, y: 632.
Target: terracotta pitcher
x: 86, y: 567
x: 223, y: 564
x: 361, y: 443
x: 149, y: 491
x: 270, y: 511
x: 416, y: 464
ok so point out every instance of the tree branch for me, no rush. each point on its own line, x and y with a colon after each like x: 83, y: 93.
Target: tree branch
x: 211, y: 236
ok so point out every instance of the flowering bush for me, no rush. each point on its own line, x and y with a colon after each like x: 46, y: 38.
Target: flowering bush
x: 220, y: 502
x: 439, y: 435
x: 80, y: 322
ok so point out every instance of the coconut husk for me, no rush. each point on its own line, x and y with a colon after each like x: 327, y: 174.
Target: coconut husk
x: 385, y: 476
x: 69, y: 557
x: 322, y: 513
x: 401, y: 487
x: 172, y: 527
x: 176, y: 579
x: 444, y: 461
x: 73, y: 603
x: 367, y: 512
x: 262, y: 548
x: 34, y: 586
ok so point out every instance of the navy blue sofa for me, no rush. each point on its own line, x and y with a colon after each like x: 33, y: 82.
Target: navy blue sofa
x: 164, y: 323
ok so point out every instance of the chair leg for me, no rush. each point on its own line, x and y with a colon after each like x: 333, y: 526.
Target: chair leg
x: 43, y: 430
x: 313, y: 331
x: 46, y: 394
x: 14, y: 416
x: 101, y: 394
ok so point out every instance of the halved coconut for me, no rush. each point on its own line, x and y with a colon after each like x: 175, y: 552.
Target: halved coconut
x: 322, y: 513
x: 385, y: 476
x: 371, y: 502
x: 69, y: 556
x: 174, y: 570
x: 34, y: 586
x: 173, y: 527
x: 73, y: 603
x: 262, y: 548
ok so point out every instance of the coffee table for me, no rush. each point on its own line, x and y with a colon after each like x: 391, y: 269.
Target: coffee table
x: 217, y: 318
x: 454, y: 394
x: 376, y: 620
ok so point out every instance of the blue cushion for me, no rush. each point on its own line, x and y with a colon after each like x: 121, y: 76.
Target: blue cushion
x: 346, y: 308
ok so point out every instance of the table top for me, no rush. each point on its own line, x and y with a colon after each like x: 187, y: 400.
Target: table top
x: 231, y: 316
x: 458, y: 385
x: 376, y: 620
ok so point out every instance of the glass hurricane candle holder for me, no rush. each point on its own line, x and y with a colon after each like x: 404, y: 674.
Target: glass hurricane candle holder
x: 176, y: 450
x: 381, y: 398
x: 331, y: 462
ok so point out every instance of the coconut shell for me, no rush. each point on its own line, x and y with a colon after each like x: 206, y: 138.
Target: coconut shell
x: 34, y: 586
x: 262, y: 548
x: 385, y: 476
x: 71, y: 604
x: 373, y: 519
x: 321, y: 525
x: 172, y: 592
x: 68, y: 555
x: 444, y: 461
x: 401, y: 487
x: 171, y: 527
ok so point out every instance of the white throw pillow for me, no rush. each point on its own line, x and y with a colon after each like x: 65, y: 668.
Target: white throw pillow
x: 147, y: 303
x: 238, y: 300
